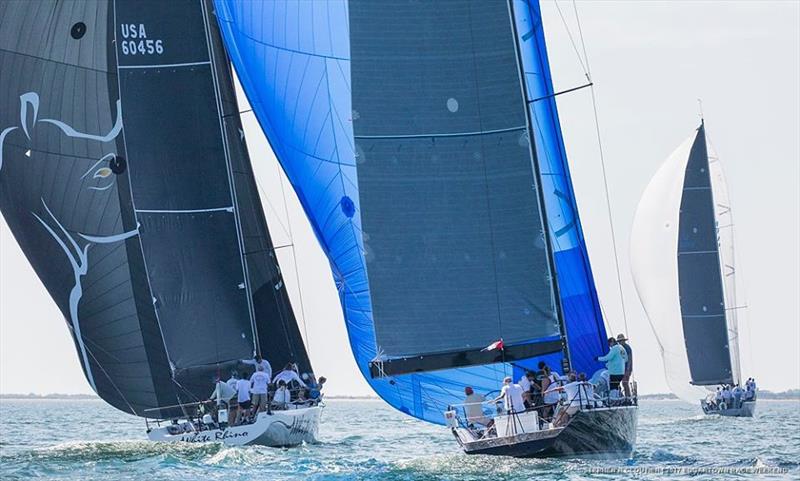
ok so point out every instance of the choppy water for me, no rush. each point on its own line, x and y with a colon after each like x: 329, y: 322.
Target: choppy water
x: 366, y: 440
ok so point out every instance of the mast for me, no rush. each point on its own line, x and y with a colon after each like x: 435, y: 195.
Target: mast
x: 538, y: 188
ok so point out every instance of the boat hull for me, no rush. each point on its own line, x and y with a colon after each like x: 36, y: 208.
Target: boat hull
x: 747, y: 410
x: 277, y: 429
x: 604, y: 432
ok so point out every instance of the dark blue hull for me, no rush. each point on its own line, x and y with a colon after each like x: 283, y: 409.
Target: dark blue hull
x: 604, y: 432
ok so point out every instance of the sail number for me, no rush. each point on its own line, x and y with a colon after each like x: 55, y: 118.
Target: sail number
x: 135, y: 41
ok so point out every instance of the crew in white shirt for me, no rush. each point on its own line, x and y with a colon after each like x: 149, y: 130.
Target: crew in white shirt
x: 258, y: 386
x: 282, y: 396
x: 259, y: 361
x: 288, y: 376
x: 243, y: 396
x: 511, y: 394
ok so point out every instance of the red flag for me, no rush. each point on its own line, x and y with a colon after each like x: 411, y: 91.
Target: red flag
x: 495, y: 345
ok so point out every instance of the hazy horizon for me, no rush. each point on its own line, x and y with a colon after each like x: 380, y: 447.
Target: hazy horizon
x: 650, y: 62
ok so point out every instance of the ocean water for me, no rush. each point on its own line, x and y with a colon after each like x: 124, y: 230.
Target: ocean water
x: 367, y: 440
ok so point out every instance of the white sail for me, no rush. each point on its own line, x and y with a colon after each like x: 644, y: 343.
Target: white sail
x: 653, y: 253
x: 725, y: 226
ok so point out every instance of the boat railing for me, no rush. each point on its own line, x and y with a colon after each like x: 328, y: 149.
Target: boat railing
x: 193, y: 412
x: 548, y: 416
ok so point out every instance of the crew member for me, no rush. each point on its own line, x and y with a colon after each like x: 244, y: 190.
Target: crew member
x: 259, y: 382
x: 511, y: 395
x: 259, y: 361
x: 243, y: 397
x: 615, y: 364
x: 626, y: 378
x: 289, y: 376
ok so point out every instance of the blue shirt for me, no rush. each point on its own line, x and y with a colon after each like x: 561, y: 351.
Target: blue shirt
x: 615, y: 360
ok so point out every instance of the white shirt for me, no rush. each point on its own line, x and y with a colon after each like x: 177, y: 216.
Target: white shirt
x: 524, y: 383
x: 222, y: 392
x: 473, y: 407
x: 232, y: 383
x: 287, y: 376
x: 512, y: 397
x: 282, y: 396
x: 572, y: 392
x: 586, y: 392
x: 259, y: 381
x: 243, y: 390
x: 551, y: 395
x: 726, y: 395
x: 264, y: 363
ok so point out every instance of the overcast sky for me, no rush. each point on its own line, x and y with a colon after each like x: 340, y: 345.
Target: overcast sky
x: 650, y: 62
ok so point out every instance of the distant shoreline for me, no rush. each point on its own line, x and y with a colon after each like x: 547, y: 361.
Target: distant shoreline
x: 790, y: 395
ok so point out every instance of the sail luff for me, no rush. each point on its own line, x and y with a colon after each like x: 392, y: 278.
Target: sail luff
x: 546, y: 231
x: 725, y: 234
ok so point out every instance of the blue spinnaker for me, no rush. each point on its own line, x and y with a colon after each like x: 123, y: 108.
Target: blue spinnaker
x: 294, y: 62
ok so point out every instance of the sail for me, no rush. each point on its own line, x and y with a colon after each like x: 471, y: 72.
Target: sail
x: 405, y: 131
x: 676, y: 271
x: 723, y: 214
x: 125, y: 180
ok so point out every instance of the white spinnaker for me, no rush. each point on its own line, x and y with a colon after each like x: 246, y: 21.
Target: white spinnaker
x: 654, y: 265
x: 724, y: 218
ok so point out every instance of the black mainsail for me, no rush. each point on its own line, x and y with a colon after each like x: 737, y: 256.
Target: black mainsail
x: 125, y: 178
x: 700, y: 283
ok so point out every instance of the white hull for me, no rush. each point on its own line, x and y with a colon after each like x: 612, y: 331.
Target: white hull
x: 278, y: 429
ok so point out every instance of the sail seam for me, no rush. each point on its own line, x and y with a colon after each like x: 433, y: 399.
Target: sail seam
x: 185, y: 211
x: 439, y: 135
x: 164, y: 65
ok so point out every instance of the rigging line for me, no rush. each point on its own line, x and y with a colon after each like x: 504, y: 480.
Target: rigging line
x: 265, y: 198
x: 294, y: 259
x: 235, y: 114
x: 572, y: 40
x: 605, y: 176
x: 545, y: 97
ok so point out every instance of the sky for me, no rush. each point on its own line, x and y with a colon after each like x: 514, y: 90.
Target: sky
x: 650, y: 63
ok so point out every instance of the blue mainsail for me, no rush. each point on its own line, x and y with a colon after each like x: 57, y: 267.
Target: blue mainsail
x: 310, y: 71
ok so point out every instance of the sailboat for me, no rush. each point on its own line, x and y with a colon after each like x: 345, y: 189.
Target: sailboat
x: 684, y: 271
x: 125, y: 179
x: 423, y: 142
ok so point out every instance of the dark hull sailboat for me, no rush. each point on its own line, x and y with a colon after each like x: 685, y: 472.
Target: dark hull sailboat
x: 683, y: 265
x: 125, y: 178
x: 603, y: 432
x: 747, y: 409
x: 423, y: 141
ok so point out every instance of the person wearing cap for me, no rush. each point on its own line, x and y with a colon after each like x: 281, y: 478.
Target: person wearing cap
x: 511, y: 395
x: 626, y: 378
x: 473, y: 408
x: 615, y: 364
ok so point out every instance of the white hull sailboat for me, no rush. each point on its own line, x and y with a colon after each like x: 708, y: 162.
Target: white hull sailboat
x: 285, y: 428
x: 149, y: 233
